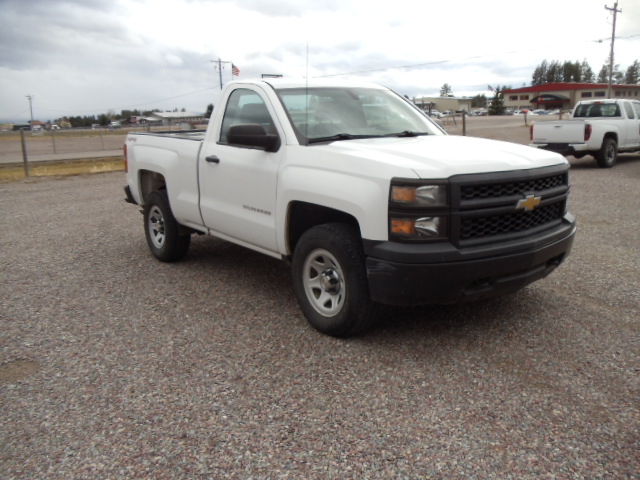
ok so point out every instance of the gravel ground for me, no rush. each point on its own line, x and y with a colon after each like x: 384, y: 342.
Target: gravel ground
x: 115, y: 366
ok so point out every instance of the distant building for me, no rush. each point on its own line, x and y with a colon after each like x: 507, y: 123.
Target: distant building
x: 442, y: 104
x: 176, y: 118
x: 563, y: 95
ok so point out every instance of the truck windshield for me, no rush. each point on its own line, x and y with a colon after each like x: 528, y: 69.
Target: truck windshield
x: 333, y: 113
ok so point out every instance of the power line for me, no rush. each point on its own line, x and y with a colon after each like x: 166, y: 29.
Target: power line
x: 476, y: 57
x: 134, y: 105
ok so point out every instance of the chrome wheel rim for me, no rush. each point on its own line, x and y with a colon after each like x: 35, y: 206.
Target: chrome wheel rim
x: 610, y: 153
x: 156, y: 227
x: 323, y: 282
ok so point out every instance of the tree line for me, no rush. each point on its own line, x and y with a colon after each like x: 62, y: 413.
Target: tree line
x: 554, y: 71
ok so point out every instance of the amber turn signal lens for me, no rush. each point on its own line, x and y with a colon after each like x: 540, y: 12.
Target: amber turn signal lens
x: 402, y: 194
x: 401, y: 226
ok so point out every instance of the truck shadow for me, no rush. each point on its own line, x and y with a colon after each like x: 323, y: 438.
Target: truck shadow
x: 588, y: 162
x: 266, y: 282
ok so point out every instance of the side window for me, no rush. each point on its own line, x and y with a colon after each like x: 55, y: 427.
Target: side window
x: 245, y: 107
x: 629, y: 109
x: 636, y: 107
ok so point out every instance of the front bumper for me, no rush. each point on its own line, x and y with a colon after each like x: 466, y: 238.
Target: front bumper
x: 444, y: 275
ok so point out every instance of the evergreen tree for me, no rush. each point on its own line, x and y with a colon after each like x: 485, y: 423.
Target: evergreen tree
x: 632, y: 77
x: 571, y: 72
x: 446, y: 90
x: 617, y: 77
x: 586, y: 74
x: 479, y: 101
x: 603, y: 75
x: 496, y: 107
x: 554, y: 74
x: 540, y: 74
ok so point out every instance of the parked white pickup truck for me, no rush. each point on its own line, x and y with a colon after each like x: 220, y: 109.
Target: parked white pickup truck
x: 600, y: 128
x: 370, y: 201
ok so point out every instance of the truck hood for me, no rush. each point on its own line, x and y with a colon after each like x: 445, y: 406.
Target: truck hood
x: 441, y: 156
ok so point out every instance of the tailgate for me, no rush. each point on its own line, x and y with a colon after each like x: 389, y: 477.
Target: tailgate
x: 558, y: 132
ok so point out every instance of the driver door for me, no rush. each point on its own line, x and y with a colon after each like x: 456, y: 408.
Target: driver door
x: 237, y: 183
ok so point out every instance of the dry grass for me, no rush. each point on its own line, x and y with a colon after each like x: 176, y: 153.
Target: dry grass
x: 15, y: 172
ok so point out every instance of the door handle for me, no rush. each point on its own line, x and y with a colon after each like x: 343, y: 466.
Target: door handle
x: 212, y: 159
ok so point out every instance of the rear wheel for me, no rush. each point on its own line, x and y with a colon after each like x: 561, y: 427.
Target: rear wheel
x: 330, y: 281
x: 608, y: 153
x: 161, y: 229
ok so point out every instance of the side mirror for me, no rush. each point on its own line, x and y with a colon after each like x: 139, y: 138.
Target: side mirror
x: 253, y: 135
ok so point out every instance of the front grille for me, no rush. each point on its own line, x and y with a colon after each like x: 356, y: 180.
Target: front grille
x: 484, y: 206
x: 492, y: 190
x: 486, y: 226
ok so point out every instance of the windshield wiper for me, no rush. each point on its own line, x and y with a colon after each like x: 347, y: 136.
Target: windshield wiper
x: 349, y: 136
x: 338, y: 136
x: 407, y: 133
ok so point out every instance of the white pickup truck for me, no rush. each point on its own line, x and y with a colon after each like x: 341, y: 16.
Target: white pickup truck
x: 600, y: 128
x: 370, y: 200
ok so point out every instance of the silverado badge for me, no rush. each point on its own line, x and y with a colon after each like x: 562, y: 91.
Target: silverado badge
x: 528, y: 203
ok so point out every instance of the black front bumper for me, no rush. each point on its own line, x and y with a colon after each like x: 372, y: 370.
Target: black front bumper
x: 402, y: 274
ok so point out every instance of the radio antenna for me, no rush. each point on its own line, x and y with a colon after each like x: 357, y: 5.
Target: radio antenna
x: 306, y: 96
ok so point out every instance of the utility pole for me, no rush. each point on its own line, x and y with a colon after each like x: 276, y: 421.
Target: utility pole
x: 613, y: 38
x: 219, y: 62
x: 30, y: 97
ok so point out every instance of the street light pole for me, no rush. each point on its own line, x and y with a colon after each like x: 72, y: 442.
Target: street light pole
x: 30, y: 97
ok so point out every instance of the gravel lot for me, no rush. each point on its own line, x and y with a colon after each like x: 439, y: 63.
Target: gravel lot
x: 115, y: 366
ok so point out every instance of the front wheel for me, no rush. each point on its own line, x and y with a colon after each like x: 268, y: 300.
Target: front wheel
x: 608, y: 153
x: 162, y: 230
x: 330, y: 282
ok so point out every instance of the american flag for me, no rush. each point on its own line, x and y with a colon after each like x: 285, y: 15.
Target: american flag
x: 235, y: 70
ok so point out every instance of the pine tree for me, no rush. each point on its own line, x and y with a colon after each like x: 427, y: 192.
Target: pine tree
x: 540, y: 74
x: 632, y: 77
x: 603, y: 75
x: 446, y: 91
x: 496, y: 107
x: 586, y: 74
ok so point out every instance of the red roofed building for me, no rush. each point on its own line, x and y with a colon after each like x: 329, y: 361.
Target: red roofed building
x: 561, y: 95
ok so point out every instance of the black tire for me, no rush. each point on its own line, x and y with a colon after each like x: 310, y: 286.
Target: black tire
x: 608, y: 153
x: 330, y: 281
x: 161, y: 229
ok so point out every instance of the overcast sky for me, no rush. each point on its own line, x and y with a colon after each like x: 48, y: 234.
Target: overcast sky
x: 85, y: 57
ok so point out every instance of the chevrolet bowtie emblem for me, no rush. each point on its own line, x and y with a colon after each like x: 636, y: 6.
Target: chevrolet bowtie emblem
x: 529, y: 203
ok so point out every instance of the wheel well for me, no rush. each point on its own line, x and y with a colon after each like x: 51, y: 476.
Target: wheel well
x: 612, y: 136
x: 150, y: 182
x: 303, y: 216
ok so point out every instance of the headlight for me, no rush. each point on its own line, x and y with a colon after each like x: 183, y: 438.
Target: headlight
x: 419, y: 195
